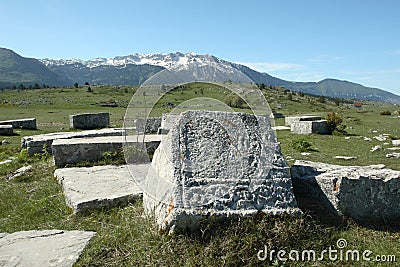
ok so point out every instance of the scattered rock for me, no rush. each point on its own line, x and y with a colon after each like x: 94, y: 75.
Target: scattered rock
x: 396, y: 142
x: 365, y: 193
x: 367, y: 138
x: 21, y: 123
x: 393, y: 148
x: 305, y: 153
x: 376, y: 148
x: 5, y: 142
x: 5, y: 161
x: 380, y: 138
x: 89, y: 121
x: 21, y: 171
x: 309, y: 127
x: 6, y: 130
x: 347, y: 138
x: 393, y: 155
x: 42, y: 248
x: 345, y: 157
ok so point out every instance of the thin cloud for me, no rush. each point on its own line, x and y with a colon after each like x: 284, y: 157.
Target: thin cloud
x: 393, y: 52
x: 271, y: 66
x: 325, y: 58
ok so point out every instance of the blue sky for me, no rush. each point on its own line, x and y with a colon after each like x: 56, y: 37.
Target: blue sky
x: 305, y: 40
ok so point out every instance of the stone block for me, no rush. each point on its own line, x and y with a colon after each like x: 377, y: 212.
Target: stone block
x: 276, y: 115
x: 35, y: 143
x: 151, y: 125
x: 99, y: 187
x: 309, y: 127
x: 43, y: 248
x: 72, y: 151
x: 89, y: 121
x: 6, y: 130
x: 396, y: 142
x: 364, y: 193
x: 29, y: 123
x: 290, y: 120
x: 217, y: 165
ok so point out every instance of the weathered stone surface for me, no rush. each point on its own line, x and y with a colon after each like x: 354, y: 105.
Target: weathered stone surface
x: 35, y: 143
x: 29, y: 123
x: 309, y: 127
x: 42, y: 248
x: 396, y: 142
x: 88, y: 121
x: 150, y: 125
x: 217, y: 164
x: 290, y: 120
x: 365, y: 193
x: 99, y: 187
x: 72, y: 151
x: 6, y: 130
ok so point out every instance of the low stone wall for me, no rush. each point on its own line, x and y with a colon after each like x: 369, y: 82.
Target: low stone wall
x: 290, y: 120
x: 167, y: 122
x: 150, y: 125
x: 364, y: 193
x: 29, y: 123
x: 34, y: 144
x: 6, y: 130
x: 276, y: 115
x: 72, y: 151
x: 88, y: 121
x: 309, y: 127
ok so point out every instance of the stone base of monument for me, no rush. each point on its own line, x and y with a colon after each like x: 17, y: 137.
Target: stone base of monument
x: 6, y: 130
x: 43, y: 248
x: 29, y: 123
x: 149, y: 125
x: 309, y: 127
x: 364, y: 193
x: 36, y: 143
x: 72, y: 151
x: 215, y: 165
x: 99, y: 187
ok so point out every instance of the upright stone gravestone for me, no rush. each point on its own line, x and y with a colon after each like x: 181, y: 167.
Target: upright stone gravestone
x: 217, y: 164
x: 89, y: 121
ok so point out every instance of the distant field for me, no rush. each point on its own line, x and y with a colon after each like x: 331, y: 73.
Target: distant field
x: 125, y: 238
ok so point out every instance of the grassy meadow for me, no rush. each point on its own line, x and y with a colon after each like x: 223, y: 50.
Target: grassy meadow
x: 125, y: 237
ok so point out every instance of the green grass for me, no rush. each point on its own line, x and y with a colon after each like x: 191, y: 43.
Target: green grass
x: 126, y: 237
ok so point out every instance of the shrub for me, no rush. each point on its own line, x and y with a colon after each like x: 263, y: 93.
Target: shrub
x: 301, y: 145
x: 386, y: 113
x: 235, y: 101
x: 334, y: 121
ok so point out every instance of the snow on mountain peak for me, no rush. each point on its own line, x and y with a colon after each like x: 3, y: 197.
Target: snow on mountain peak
x: 174, y: 61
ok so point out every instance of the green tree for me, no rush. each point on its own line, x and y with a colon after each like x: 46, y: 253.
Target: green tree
x: 89, y: 89
x: 76, y: 85
x: 36, y: 86
x: 21, y: 87
x: 86, y: 83
x: 321, y: 99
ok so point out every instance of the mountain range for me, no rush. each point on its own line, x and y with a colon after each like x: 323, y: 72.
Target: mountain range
x: 136, y: 68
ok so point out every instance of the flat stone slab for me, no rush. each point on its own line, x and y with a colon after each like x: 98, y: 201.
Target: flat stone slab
x: 42, y: 248
x: 217, y: 165
x: 364, y: 193
x: 309, y: 127
x: 99, y: 187
x: 35, y: 143
x: 88, y: 121
x: 396, y: 142
x: 6, y: 130
x: 29, y: 123
x: 72, y: 151
x: 290, y: 120
x: 280, y: 128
